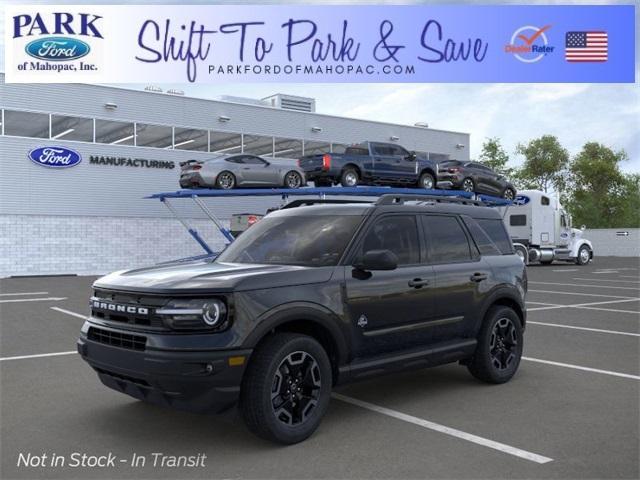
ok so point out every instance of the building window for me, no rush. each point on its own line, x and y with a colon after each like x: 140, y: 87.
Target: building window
x: 315, y: 148
x: 225, y: 142
x: 258, y: 145
x: 158, y: 136
x: 77, y: 129
x: 26, y: 124
x: 191, y: 139
x: 115, y: 133
x: 287, y: 148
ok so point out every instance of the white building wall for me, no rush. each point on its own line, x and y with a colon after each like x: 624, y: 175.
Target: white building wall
x: 612, y: 242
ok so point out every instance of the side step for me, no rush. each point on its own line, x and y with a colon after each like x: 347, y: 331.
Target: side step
x: 422, y: 357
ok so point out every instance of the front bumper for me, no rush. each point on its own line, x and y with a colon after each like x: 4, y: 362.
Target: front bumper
x: 192, y: 380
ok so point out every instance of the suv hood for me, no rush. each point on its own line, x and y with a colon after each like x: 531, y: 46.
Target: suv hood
x: 204, y: 276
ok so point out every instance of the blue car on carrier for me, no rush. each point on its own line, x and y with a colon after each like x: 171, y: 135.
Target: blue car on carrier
x: 371, y: 163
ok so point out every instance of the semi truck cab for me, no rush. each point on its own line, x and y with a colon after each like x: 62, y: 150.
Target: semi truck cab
x: 541, y: 230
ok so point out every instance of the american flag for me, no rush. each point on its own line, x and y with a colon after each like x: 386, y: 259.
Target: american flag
x: 586, y: 47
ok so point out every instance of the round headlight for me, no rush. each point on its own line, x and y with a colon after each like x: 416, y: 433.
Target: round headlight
x: 213, y: 312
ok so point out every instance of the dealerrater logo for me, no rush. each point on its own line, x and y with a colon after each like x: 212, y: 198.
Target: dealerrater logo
x: 57, y: 40
x: 530, y: 44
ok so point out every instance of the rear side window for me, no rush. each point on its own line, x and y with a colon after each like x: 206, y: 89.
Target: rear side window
x: 356, y: 151
x: 494, y: 228
x: 446, y: 239
x: 397, y: 233
x: 518, y: 220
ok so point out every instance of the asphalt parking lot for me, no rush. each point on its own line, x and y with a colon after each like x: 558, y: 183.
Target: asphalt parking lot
x: 572, y: 411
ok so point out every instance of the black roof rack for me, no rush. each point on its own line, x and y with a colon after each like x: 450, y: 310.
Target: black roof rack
x: 320, y: 201
x: 391, y: 199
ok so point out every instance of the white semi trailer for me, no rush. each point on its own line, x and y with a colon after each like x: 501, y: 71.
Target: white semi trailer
x: 541, y: 230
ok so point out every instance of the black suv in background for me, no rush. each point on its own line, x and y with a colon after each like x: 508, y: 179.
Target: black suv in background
x: 475, y: 177
x: 311, y: 297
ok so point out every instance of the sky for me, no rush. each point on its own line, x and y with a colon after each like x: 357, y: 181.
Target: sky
x: 515, y: 113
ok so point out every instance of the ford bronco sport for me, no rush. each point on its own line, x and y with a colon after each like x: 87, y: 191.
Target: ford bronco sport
x: 308, y: 298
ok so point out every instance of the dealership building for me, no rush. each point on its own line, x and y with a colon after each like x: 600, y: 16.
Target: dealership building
x: 92, y: 218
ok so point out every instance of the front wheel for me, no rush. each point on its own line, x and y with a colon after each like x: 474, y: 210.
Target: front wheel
x: 427, y: 181
x: 509, y: 194
x: 499, y: 348
x: 584, y: 255
x: 293, y: 179
x: 286, y: 389
x: 468, y: 185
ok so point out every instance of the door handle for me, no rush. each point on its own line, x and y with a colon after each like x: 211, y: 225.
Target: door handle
x: 418, y: 283
x: 478, y: 277
x: 246, y: 168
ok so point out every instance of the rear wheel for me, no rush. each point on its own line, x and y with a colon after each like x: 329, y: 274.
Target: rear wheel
x: 509, y: 194
x: 349, y: 177
x: 499, y: 349
x: 584, y: 255
x: 427, y: 181
x: 293, y: 179
x: 468, y: 185
x: 286, y: 389
x: 226, y: 180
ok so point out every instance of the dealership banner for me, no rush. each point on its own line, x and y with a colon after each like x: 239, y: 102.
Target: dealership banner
x: 286, y: 43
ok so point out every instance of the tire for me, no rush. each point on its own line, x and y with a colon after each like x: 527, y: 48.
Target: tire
x: 522, y: 252
x: 508, y: 194
x: 427, y: 181
x: 225, y: 180
x: 584, y: 255
x: 292, y: 179
x: 499, y: 349
x: 468, y: 185
x: 349, y: 177
x: 277, y: 355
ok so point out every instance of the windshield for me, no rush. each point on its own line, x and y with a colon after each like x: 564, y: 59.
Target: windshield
x: 314, y: 241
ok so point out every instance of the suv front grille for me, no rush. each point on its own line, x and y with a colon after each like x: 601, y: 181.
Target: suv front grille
x: 117, y: 339
x: 135, y: 311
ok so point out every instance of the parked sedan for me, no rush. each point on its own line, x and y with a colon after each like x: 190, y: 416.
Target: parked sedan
x: 474, y: 177
x: 242, y: 170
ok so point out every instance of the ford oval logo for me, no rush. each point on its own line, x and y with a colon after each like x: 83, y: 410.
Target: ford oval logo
x: 57, y: 49
x: 55, y: 157
x: 521, y: 200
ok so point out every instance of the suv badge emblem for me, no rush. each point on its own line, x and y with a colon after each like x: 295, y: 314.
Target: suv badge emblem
x: 362, y: 321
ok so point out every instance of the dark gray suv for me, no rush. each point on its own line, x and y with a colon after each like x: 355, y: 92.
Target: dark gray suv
x: 308, y: 298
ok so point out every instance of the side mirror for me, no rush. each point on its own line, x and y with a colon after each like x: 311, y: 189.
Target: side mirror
x: 377, y: 260
x: 412, y: 156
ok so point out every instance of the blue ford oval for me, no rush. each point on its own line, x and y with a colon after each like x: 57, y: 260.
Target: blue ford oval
x: 57, y: 49
x: 55, y: 157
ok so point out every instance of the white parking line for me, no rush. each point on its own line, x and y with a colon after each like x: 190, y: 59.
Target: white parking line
x: 582, y: 285
x: 633, y: 312
x: 48, y: 299
x: 485, y: 442
x: 628, y: 276
x: 41, y: 355
x: 605, y: 280
x: 567, y: 270
x: 587, y: 305
x: 597, y: 330
x: 68, y: 312
x: 579, y: 367
x: 604, y: 272
x: 582, y: 294
x: 23, y: 293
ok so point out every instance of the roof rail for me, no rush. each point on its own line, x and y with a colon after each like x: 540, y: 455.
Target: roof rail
x: 391, y: 199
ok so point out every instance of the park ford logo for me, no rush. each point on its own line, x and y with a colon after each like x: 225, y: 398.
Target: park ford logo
x: 55, y: 157
x: 57, y: 49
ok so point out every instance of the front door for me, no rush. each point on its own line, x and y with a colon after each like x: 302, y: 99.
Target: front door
x: 388, y: 310
x: 256, y: 171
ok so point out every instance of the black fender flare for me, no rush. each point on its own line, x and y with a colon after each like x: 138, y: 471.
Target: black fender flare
x: 508, y: 294
x: 315, y: 313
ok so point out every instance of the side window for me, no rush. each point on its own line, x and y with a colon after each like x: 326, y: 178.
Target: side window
x: 563, y: 220
x: 397, y: 233
x: 447, y: 241
x: 483, y: 242
x: 399, y: 152
x: 518, y: 220
x: 494, y: 228
x: 251, y: 160
x: 236, y: 159
x: 544, y: 201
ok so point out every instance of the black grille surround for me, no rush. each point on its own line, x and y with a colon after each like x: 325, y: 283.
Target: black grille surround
x: 134, y: 311
x: 117, y: 339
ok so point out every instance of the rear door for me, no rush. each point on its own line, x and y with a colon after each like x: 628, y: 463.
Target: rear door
x: 461, y: 276
x: 389, y: 310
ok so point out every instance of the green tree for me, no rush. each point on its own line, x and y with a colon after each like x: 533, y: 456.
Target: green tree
x: 494, y: 156
x: 545, y: 164
x: 600, y: 195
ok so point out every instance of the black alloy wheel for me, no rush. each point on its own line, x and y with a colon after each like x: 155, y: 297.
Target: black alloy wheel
x: 508, y: 194
x: 504, y: 344
x: 296, y: 388
x: 226, y: 180
x: 293, y: 179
